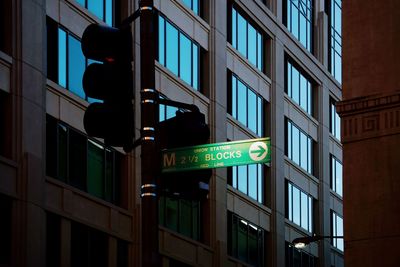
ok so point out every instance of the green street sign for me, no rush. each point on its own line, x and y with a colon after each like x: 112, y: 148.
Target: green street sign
x: 218, y: 155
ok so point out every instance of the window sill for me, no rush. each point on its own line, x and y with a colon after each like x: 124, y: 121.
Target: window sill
x: 300, y: 169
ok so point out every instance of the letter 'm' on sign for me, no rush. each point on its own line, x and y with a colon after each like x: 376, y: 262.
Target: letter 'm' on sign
x: 169, y: 160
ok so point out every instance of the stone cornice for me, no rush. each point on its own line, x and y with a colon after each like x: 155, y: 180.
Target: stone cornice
x: 369, y: 117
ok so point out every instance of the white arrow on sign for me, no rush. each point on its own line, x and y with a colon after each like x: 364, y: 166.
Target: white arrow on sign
x: 258, y: 151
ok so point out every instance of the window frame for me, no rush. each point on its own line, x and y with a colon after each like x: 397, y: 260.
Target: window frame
x: 337, y: 243
x: 334, y: 120
x: 334, y: 38
x: 334, y: 179
x: 290, y: 207
x: 104, y: 18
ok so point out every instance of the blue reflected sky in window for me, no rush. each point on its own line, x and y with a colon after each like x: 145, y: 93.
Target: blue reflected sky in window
x: 304, y: 152
x: 161, y: 38
x: 299, y: 207
x: 304, y: 211
x: 234, y: 97
x: 296, y: 206
x: 172, y: 48
x: 241, y: 35
x: 296, y: 145
x: 234, y: 29
x: 242, y: 103
x: 260, y: 179
x: 195, y: 66
x: 295, y: 85
x: 76, y: 66
x: 309, y: 155
x: 339, y: 178
x: 252, y: 111
x: 260, y: 117
x: 259, y: 51
x: 109, y: 12
x: 299, y: 147
x: 310, y: 214
x: 185, y: 59
x: 336, y: 39
x: 97, y: 8
x: 290, y: 202
x: 253, y: 181
x: 242, y: 179
x: 62, y: 58
x: 252, y: 43
x: 234, y: 176
x: 299, y: 15
x: 299, y: 88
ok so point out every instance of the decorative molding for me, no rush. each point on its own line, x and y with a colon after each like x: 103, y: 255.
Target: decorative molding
x: 369, y: 117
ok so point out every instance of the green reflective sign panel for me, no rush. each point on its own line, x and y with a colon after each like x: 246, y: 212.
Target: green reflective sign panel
x: 218, y: 155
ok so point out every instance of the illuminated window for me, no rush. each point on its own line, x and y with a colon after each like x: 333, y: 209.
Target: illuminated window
x: 245, y: 241
x: 178, y: 53
x: 245, y: 105
x: 103, y: 9
x: 299, y: 208
x: 299, y: 88
x: 298, y: 20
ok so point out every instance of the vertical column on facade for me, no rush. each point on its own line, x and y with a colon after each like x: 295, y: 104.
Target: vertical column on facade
x: 321, y: 40
x: 29, y: 55
x: 323, y: 215
x: 276, y: 239
x: 218, y: 118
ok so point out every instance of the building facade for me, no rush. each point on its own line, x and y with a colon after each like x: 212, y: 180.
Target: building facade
x: 255, y: 68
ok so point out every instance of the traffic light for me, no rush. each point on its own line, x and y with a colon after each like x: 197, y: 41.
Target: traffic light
x: 109, y: 79
x: 185, y: 129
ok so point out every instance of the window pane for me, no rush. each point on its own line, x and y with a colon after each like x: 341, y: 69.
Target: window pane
x: 234, y: 176
x: 96, y: 7
x: 76, y: 67
x: 253, y: 245
x: 172, y: 48
x: 310, y: 215
x: 62, y: 58
x: 77, y: 160
x: 62, y: 152
x: 242, y: 240
x: 260, y: 178
x: 195, y: 6
x: 109, y: 176
x: 185, y: 59
x: 252, y: 44
x: 242, y: 44
x: 296, y: 206
x: 303, y: 149
x: 259, y: 52
x: 242, y: 100
x: 340, y: 242
x: 234, y: 97
x: 253, y: 181
x: 242, y: 178
x: 296, y: 145
x: 260, y: 117
x: 196, y: 220
x: 304, y: 211
x: 303, y: 92
x: 296, y: 85
x: 185, y: 225
x: 161, y: 40
x: 109, y: 12
x: 339, y: 178
x: 51, y: 147
x: 171, y: 213
x: 95, y: 169
x: 252, y: 111
x: 310, y: 156
x: 290, y: 202
x: 195, y: 67
x: 234, y: 28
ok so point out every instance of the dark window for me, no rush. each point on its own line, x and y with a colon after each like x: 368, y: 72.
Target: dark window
x: 337, y: 230
x: 299, y: 147
x: 182, y: 216
x: 178, y: 53
x: 299, y: 88
x: 83, y: 163
x: 298, y: 258
x: 245, y: 241
x: 299, y: 208
x: 298, y: 18
x: 246, y: 38
x: 89, y: 247
x: 53, y: 240
x: 6, y: 26
x: 175, y: 263
x: 5, y: 229
x: 122, y: 253
x: 248, y: 179
x: 334, y: 122
x: 103, y: 9
x: 5, y: 124
x: 245, y: 105
x: 334, y: 11
x: 336, y: 176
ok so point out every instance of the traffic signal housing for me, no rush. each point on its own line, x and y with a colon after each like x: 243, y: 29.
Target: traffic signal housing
x: 109, y: 79
x: 185, y: 129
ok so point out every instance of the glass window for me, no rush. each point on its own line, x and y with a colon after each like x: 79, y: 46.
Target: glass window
x: 180, y: 215
x: 337, y: 230
x: 53, y: 239
x: 299, y: 207
x: 6, y: 26
x: 246, y: 39
x: 336, y: 176
x: 249, y: 179
x: 298, y: 257
x: 246, y: 106
x: 334, y: 11
x: 103, y: 9
x: 299, y: 147
x: 76, y: 66
x: 178, y: 53
x: 82, y: 162
x: 334, y: 125
x: 299, y: 88
x: 62, y: 58
x: 298, y: 20
x: 6, y: 228
x: 193, y: 5
x: 245, y: 240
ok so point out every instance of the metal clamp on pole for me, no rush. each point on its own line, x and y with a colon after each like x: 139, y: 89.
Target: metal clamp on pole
x: 149, y: 96
x: 148, y: 134
x: 148, y: 190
